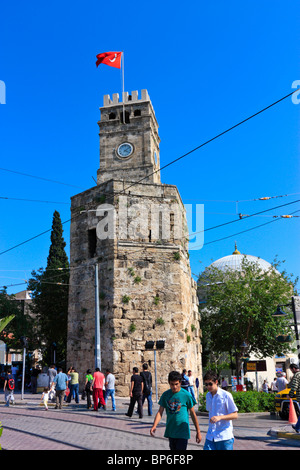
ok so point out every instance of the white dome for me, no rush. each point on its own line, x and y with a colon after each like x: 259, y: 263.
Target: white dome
x: 234, y: 262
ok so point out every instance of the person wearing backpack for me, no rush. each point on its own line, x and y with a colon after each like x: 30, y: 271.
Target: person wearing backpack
x: 147, y: 390
x: 185, y: 383
x: 9, y: 386
x: 88, y: 387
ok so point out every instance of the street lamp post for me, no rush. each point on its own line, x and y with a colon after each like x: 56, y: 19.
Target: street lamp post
x: 97, y: 322
x: 149, y: 345
x: 97, y: 309
x: 243, y: 347
x: 25, y: 345
x: 280, y: 313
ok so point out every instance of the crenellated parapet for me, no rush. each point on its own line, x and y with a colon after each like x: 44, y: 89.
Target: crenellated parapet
x: 126, y: 98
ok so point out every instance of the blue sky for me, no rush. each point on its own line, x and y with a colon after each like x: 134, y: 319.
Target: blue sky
x: 205, y: 66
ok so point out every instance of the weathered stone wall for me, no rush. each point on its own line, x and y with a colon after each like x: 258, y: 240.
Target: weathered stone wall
x: 145, y: 285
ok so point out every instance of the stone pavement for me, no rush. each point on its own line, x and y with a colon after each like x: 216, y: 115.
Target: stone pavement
x: 27, y: 426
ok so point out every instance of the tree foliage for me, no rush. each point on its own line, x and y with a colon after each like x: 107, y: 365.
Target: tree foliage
x: 238, y: 305
x: 5, y: 321
x: 14, y: 320
x: 49, y: 289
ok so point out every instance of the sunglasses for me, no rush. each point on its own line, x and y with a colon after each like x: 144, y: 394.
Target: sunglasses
x: 208, y: 384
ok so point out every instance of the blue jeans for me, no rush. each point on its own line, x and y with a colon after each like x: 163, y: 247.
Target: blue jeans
x: 218, y: 445
x: 149, y: 400
x: 191, y: 390
x: 110, y: 392
x: 297, y: 425
x: 74, y: 392
x: 9, y: 396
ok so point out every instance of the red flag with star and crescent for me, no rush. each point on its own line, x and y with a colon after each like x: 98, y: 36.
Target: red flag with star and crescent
x: 113, y: 59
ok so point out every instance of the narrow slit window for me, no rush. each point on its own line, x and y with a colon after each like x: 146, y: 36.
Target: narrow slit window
x: 92, y: 240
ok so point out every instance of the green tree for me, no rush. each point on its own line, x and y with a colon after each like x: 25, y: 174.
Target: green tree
x: 5, y: 321
x: 50, y: 297
x: 14, y: 321
x: 237, y: 307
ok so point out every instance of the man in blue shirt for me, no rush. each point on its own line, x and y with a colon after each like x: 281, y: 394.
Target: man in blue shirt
x: 222, y: 409
x: 61, y: 382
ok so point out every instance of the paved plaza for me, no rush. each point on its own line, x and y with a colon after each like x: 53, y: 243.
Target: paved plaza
x: 28, y: 426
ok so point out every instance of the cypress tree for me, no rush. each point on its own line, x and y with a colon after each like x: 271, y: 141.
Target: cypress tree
x: 50, y: 298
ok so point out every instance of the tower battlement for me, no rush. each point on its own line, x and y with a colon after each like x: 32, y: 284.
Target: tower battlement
x: 127, y: 98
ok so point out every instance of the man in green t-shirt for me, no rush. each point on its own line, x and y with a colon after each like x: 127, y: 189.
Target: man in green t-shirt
x: 177, y: 402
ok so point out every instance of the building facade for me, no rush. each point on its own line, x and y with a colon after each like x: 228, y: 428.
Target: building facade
x: 134, y: 228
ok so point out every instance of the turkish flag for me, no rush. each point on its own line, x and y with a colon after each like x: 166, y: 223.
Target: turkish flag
x: 109, y: 58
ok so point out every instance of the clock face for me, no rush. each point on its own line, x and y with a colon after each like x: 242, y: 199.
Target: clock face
x: 125, y: 150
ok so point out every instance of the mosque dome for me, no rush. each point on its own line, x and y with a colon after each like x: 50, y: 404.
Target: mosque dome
x: 235, y: 262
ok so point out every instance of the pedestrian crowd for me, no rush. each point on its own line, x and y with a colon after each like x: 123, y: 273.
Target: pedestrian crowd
x: 97, y: 386
x: 178, y: 401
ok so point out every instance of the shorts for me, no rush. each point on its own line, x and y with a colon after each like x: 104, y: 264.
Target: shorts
x: 219, y: 445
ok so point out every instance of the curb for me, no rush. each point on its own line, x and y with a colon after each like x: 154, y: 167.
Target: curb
x: 258, y: 414
x: 284, y: 435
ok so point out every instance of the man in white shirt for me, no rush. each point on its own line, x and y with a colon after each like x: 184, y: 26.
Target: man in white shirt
x: 224, y: 384
x: 274, y: 386
x: 222, y: 409
x: 110, y: 388
x: 281, y: 382
x: 191, y: 388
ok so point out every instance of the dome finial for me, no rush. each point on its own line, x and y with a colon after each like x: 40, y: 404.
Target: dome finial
x: 236, y: 251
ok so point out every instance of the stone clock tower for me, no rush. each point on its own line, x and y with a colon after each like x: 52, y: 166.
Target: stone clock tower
x: 128, y: 151
x: 133, y: 228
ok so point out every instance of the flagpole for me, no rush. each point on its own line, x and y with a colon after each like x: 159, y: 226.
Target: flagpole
x: 123, y: 86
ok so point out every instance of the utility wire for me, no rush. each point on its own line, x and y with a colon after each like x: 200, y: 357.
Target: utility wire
x: 36, y: 236
x: 40, y: 178
x: 199, y: 200
x: 33, y: 200
x: 244, y: 218
x: 165, y: 166
x: 188, y: 235
x: 128, y: 257
x: 182, y: 156
x: 231, y: 222
x: 213, y: 241
x: 244, y: 231
x: 216, y: 137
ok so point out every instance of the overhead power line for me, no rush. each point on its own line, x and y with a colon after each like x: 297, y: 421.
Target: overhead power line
x: 41, y: 178
x: 132, y: 253
x: 32, y: 200
x: 129, y: 257
x: 216, y: 137
x: 189, y: 235
x: 36, y: 236
x: 165, y: 166
x: 177, y: 159
x: 247, y: 230
x: 200, y: 200
x: 243, y: 218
